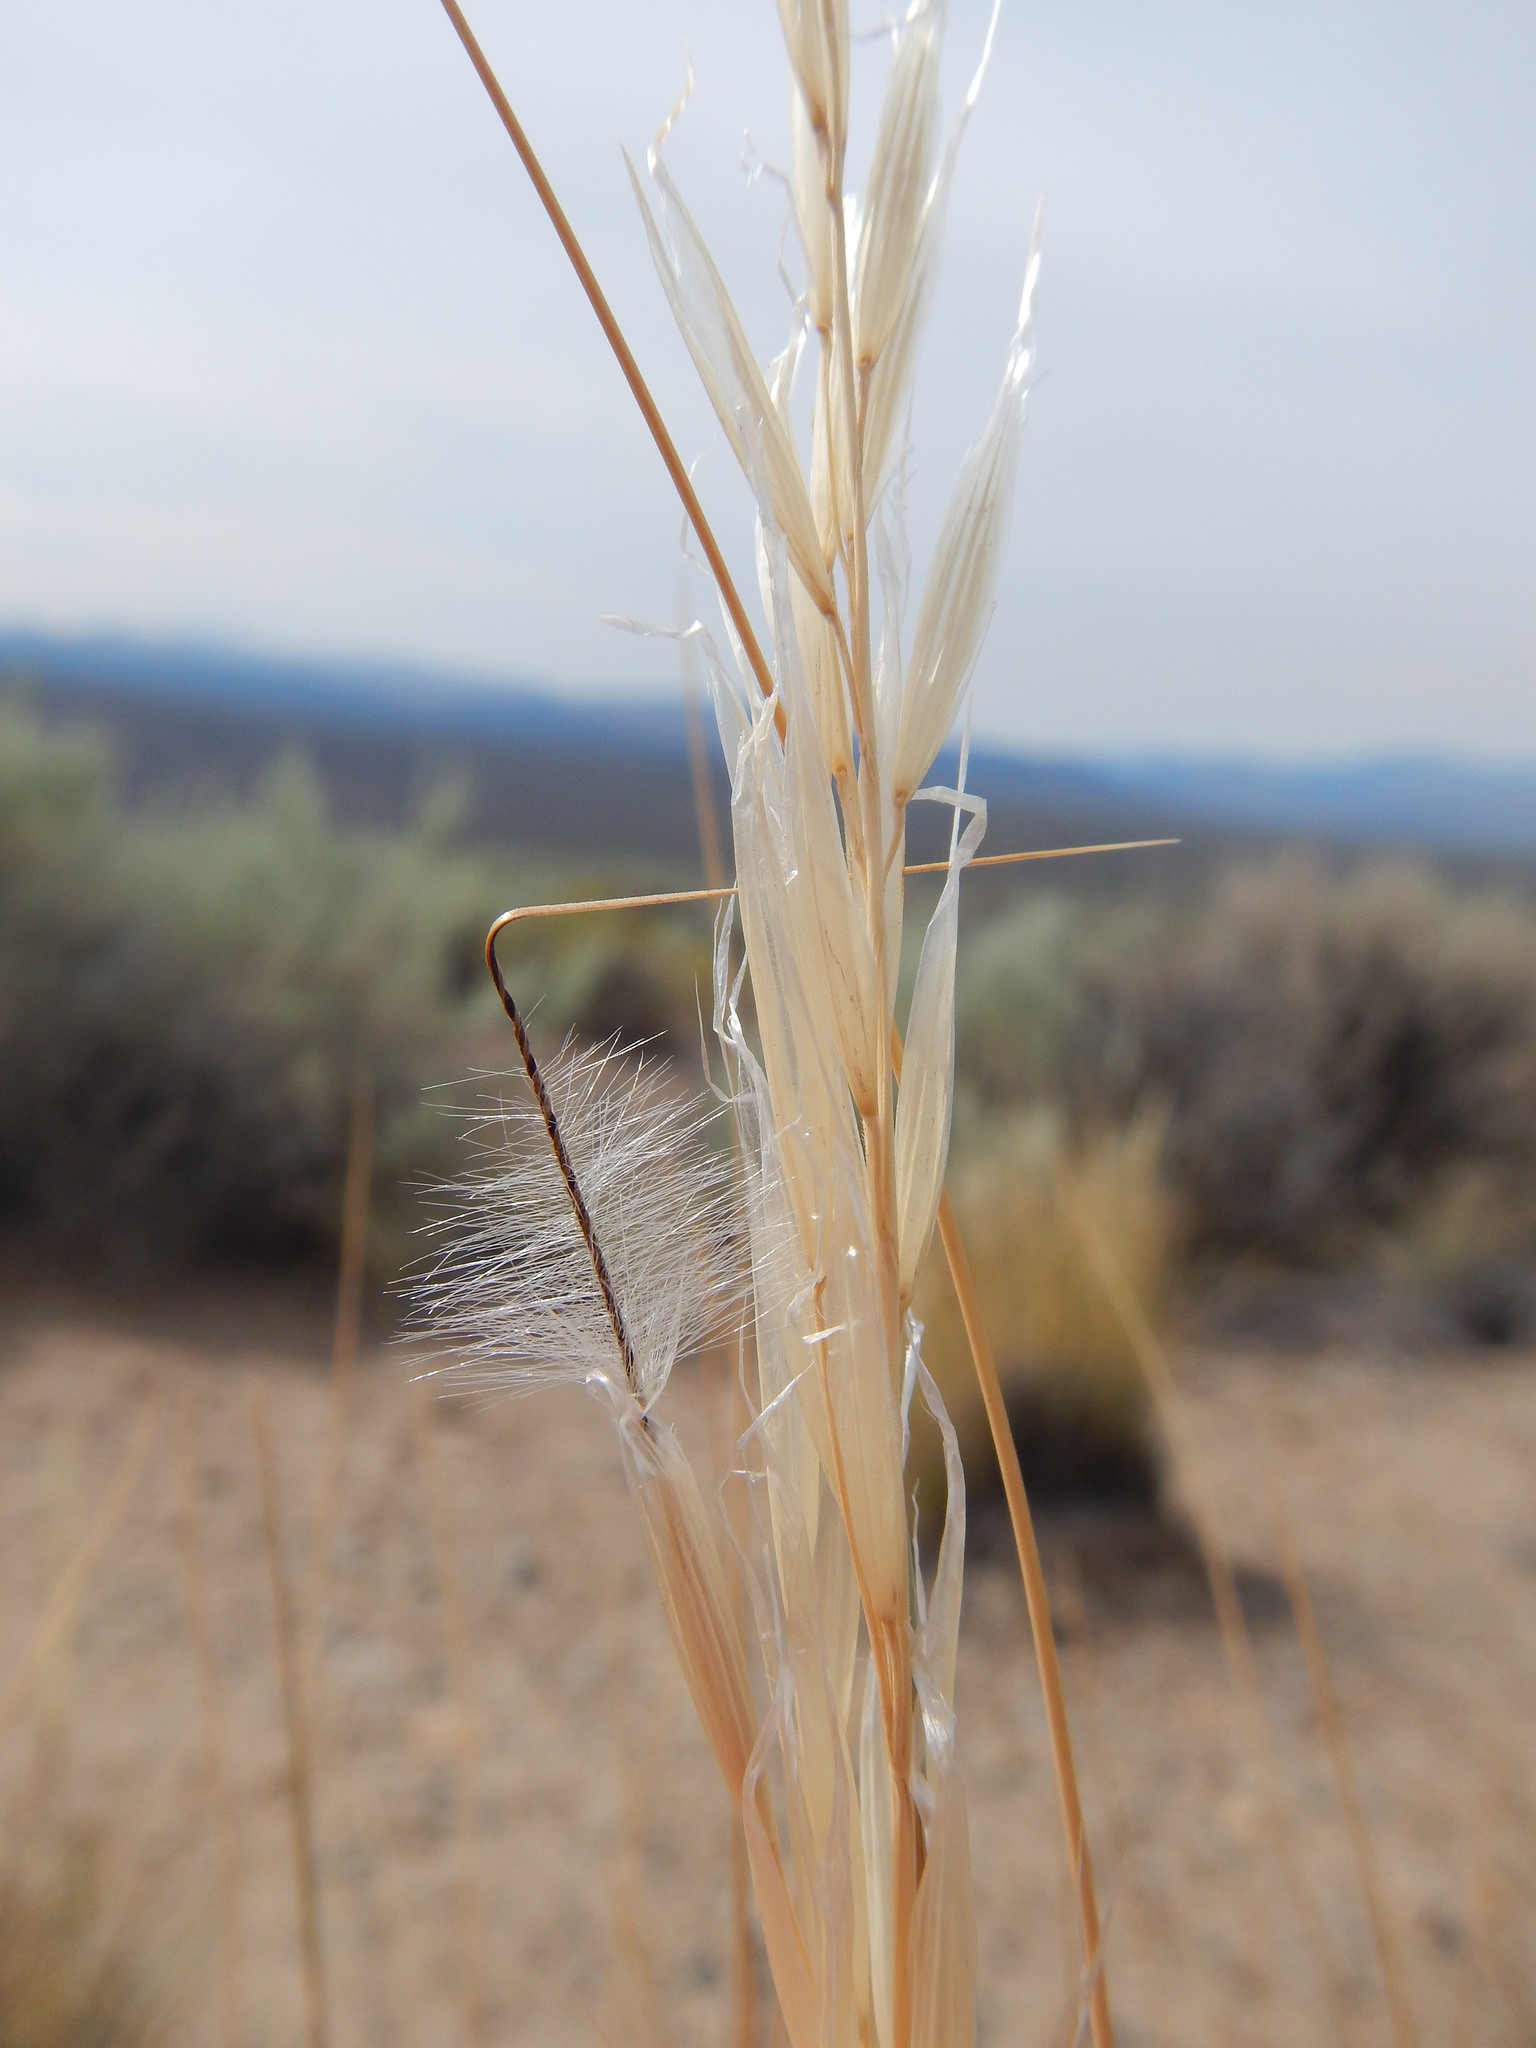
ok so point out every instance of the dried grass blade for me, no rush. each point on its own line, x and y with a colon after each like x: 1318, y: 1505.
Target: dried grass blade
x: 959, y: 594
x: 1037, y: 1600
x: 694, y: 1593
x: 296, y: 1727
x: 728, y: 370
x: 794, y: 1980
x: 76, y: 1576
x: 1237, y: 1643
x: 899, y: 179
x: 211, y: 1704
x: 450, y: 1582
x: 1389, y: 1955
x: 666, y: 898
x: 356, y: 1197
x: 944, y: 1931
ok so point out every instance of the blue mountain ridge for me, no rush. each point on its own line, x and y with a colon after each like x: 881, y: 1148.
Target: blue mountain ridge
x: 1426, y: 800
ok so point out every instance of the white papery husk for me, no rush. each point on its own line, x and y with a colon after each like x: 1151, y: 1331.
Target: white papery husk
x: 812, y: 214
x: 819, y: 1317
x: 829, y: 1438
x: 891, y: 563
x: 810, y: 1612
x: 891, y: 377
x: 958, y: 596
x: 891, y: 222
x: 812, y: 1904
x: 729, y: 372
x: 944, y: 1917
x: 925, y: 1104
x: 819, y: 62
x: 691, y: 1579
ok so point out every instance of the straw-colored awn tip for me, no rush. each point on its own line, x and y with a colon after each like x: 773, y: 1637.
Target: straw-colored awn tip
x: 663, y: 898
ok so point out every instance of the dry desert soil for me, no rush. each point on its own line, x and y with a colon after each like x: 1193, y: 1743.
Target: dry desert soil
x: 518, y: 1836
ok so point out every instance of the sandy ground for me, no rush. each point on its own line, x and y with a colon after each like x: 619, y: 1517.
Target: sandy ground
x: 520, y: 1837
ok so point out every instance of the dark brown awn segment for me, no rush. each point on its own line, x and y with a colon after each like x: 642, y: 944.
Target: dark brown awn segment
x: 579, y: 1207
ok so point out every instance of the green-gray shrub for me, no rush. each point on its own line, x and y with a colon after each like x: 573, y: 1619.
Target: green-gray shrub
x: 1326, y: 1052
x: 188, y: 1002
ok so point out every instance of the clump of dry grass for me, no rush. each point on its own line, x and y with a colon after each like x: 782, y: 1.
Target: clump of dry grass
x: 1078, y: 1399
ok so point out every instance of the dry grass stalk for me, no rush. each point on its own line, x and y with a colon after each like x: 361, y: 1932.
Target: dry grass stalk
x: 450, y: 1581
x: 1237, y: 1642
x: 1095, y: 1742
x: 601, y: 1252
x: 53, y: 1688
x: 215, y: 1744
x: 296, y: 1731
x: 1095, y: 1998
x: 354, y: 1236
x: 743, y: 1947
x: 710, y: 851
x: 356, y: 1199
x: 1389, y: 1954
x: 58, y: 1616
x: 726, y: 1419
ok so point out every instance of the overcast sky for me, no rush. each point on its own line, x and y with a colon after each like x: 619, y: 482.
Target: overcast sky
x: 289, y: 359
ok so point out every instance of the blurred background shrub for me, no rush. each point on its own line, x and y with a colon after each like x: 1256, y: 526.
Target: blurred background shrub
x: 1076, y: 1398
x: 1338, y: 1060
x: 190, y: 999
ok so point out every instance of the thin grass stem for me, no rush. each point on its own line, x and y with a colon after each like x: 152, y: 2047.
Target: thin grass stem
x: 724, y: 1393
x: 1037, y: 1600
x: 1237, y: 1643
x: 703, y: 796
x: 344, y: 1348
x: 1009, y: 860
x: 57, y: 1617
x: 450, y: 1581
x: 215, y: 1736
x: 666, y: 898
x: 1038, y: 1603
x: 296, y: 1729
x: 1389, y: 1955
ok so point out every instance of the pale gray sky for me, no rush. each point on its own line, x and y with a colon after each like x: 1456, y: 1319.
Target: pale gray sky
x: 288, y: 358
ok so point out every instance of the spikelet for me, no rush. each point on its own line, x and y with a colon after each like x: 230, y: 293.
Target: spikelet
x: 816, y: 36
x: 811, y: 216
x: 928, y: 1069
x: 944, y: 1916
x: 737, y: 389
x: 957, y: 600
x: 690, y: 1577
x: 891, y: 377
x: 899, y: 180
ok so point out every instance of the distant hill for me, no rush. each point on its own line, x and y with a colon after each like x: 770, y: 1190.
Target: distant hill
x: 609, y: 779
x: 1422, y: 800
